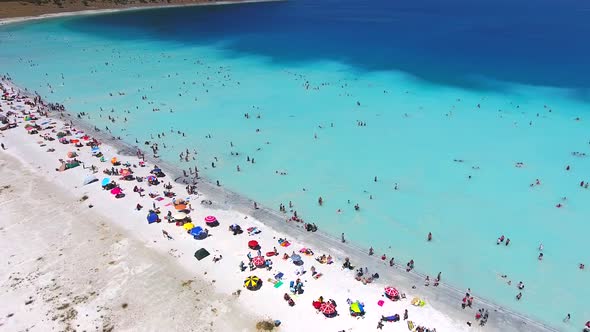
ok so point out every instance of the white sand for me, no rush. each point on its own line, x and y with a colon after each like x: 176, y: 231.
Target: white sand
x: 77, y: 245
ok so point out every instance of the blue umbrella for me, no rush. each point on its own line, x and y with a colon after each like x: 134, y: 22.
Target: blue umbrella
x: 152, y: 217
x: 106, y: 181
x: 196, y: 231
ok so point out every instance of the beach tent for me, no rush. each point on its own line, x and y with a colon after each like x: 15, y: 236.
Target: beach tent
x: 90, y: 179
x: 152, y: 217
x: 253, y: 283
x: 201, y: 253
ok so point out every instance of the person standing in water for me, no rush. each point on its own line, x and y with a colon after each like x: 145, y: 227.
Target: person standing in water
x: 429, y: 236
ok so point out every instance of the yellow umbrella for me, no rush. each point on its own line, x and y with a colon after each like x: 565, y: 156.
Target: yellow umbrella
x: 188, y: 226
x: 252, y: 282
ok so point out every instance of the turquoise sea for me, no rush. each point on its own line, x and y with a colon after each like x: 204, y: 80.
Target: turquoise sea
x: 453, y: 95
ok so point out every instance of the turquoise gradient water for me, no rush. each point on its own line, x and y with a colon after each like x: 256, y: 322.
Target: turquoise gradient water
x: 416, y: 127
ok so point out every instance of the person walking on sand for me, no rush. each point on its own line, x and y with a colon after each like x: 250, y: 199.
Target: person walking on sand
x: 342, y: 238
x: 166, y: 235
x: 3, y: 147
x: 406, y: 314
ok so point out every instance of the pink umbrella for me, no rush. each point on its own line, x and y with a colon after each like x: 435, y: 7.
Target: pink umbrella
x: 210, y: 219
x: 328, y: 309
x: 258, y: 261
x: 116, y: 191
x: 391, y: 292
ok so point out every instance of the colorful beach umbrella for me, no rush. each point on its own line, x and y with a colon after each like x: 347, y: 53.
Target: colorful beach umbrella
x: 252, y: 283
x: 125, y: 172
x: 188, y: 226
x: 356, y: 307
x: 116, y: 191
x: 391, y: 292
x: 328, y: 309
x: 210, y: 219
x: 180, y: 207
x: 258, y: 261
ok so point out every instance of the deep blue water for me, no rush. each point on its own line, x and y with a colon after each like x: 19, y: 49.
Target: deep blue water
x: 450, y: 42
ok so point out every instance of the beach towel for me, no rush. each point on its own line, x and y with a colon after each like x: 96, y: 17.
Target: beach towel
x: 410, y: 325
x: 278, y: 284
x: 317, y: 276
x: 380, y: 303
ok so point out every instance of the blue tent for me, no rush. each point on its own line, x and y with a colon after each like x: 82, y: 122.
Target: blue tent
x: 106, y: 181
x: 152, y: 217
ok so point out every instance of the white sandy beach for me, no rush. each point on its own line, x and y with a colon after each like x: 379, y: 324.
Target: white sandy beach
x: 80, y: 265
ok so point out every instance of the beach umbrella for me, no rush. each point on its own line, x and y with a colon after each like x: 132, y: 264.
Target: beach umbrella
x: 75, y: 141
x: 196, y: 231
x: 201, y: 253
x: 328, y: 309
x: 105, y: 181
x: 253, y: 244
x: 72, y: 154
x: 156, y: 170
x: 116, y: 191
x: 180, y: 207
x: 356, y: 307
x: 210, y: 219
x: 150, y: 178
x: 258, y: 261
x: 391, y: 292
x: 125, y: 172
x: 152, y: 217
x: 180, y: 215
x: 89, y: 179
x: 188, y: 226
x: 252, y: 283
x: 295, y: 257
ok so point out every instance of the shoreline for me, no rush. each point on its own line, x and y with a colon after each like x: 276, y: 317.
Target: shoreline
x: 21, y: 19
x: 445, y: 298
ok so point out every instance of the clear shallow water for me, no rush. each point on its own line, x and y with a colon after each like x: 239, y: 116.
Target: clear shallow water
x: 418, y: 72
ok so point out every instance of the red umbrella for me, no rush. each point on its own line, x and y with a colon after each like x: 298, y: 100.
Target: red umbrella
x: 327, y: 308
x: 253, y: 244
x: 116, y: 191
x: 258, y: 261
x: 391, y: 292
